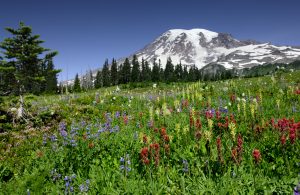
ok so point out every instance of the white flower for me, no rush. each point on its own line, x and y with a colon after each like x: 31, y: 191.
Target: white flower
x: 229, y: 104
x: 238, y: 99
x: 243, y: 94
x: 154, y: 85
x: 117, y: 89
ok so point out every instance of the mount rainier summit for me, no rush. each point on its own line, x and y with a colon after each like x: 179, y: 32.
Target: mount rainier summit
x: 201, y: 47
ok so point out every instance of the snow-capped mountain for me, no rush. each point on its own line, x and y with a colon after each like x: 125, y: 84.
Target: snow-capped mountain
x: 202, y: 47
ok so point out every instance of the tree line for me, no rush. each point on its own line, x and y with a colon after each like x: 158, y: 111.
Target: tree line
x: 133, y: 71
x: 26, y: 66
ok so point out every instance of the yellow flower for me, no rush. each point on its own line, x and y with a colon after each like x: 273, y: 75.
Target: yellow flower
x: 232, y: 128
x: 210, y: 124
x: 278, y: 102
x: 157, y: 111
x: 141, y: 135
x: 252, y: 110
x: 151, y: 112
x: 208, y: 135
x: 186, y: 129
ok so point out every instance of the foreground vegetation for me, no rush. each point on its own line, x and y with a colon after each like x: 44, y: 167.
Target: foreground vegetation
x: 236, y: 136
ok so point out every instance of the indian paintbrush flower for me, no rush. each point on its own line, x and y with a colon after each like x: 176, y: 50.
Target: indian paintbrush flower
x: 256, y: 155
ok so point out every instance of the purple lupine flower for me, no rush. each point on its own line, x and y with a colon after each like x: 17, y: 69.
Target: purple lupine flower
x: 185, y: 166
x: 117, y: 115
x: 63, y: 133
x: 297, y: 188
x: 62, y: 126
x: 53, y: 138
x: 85, y: 186
x: 125, y: 164
x: 45, y: 137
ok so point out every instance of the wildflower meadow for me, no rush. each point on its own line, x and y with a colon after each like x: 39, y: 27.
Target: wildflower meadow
x: 239, y: 136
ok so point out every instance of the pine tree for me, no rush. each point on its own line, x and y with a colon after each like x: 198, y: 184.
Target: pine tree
x: 50, y: 74
x: 147, y: 76
x: 99, y: 80
x: 135, y: 73
x: 169, y: 71
x: 114, y: 72
x: 76, y: 87
x: 143, y: 71
x: 126, y: 71
x: 23, y: 52
x: 161, y: 72
x: 185, y: 74
x: 7, y: 78
x: 106, y: 74
x: 178, y: 72
x: 192, y: 76
x: 155, y: 75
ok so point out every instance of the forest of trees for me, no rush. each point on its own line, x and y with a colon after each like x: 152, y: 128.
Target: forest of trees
x: 136, y: 71
x: 22, y: 67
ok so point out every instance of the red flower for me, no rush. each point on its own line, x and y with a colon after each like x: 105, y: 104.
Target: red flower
x: 240, y: 146
x: 167, y: 148
x: 163, y: 131
x: 197, y: 135
x: 283, y: 139
x: 234, y: 154
x: 218, y: 115
x: 232, y: 98
x: 191, y: 122
x: 145, y: 139
x: 256, y: 155
x: 219, y: 147
x: 198, y: 124
x: 292, y: 135
x: 166, y: 138
x: 144, y: 156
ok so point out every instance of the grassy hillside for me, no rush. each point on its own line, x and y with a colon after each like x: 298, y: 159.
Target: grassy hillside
x: 239, y: 136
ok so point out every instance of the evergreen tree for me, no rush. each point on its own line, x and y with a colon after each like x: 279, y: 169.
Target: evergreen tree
x: 76, y: 87
x: 135, y: 73
x: 178, y: 72
x: 161, y: 72
x: 147, y: 76
x: 99, y: 80
x: 143, y: 71
x: 23, y: 52
x: 7, y: 78
x: 106, y: 74
x: 50, y: 74
x: 169, y: 71
x: 126, y: 71
x: 155, y: 72
x: 114, y: 72
x: 185, y: 74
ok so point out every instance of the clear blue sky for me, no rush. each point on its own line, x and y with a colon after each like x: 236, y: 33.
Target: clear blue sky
x: 87, y: 32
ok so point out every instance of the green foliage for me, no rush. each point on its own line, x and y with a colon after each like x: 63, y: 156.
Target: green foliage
x: 76, y: 87
x: 93, y: 141
x: 135, y: 73
x: 25, y: 71
x: 106, y: 74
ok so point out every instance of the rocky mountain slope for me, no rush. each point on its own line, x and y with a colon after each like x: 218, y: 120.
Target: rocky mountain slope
x: 202, y: 47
